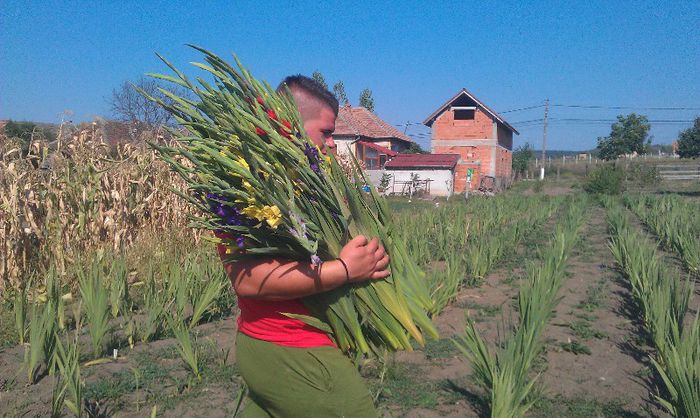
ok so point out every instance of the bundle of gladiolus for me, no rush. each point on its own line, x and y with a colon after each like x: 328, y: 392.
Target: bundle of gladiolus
x: 267, y: 190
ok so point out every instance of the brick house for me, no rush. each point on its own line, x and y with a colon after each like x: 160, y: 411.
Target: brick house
x: 367, y: 137
x: 483, y: 139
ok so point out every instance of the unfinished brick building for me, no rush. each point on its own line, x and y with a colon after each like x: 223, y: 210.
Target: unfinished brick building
x: 482, y: 138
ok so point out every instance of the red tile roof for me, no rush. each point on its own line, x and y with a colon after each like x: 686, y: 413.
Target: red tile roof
x: 403, y: 161
x: 358, y: 121
x: 379, y: 148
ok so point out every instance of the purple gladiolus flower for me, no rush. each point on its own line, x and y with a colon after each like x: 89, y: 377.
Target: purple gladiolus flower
x: 315, y: 260
x: 230, y: 215
x: 313, y: 157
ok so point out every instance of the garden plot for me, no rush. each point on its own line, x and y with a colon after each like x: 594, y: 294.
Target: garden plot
x: 595, y: 359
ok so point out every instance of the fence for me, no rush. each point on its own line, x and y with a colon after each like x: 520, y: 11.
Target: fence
x: 679, y: 171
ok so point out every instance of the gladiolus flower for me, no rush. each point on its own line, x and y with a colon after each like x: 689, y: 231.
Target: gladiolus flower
x: 260, y: 132
x: 271, y: 113
x: 287, y: 124
x: 272, y: 215
x: 261, y: 101
x: 285, y: 133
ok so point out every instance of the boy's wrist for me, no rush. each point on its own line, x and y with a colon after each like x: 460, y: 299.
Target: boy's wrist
x: 333, y: 274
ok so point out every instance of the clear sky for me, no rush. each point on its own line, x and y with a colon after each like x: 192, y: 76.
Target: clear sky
x: 57, y: 55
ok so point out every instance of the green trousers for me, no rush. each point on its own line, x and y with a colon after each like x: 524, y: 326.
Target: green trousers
x: 300, y: 382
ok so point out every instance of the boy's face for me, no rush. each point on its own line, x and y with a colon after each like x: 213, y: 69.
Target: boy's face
x: 320, y: 129
x: 318, y: 118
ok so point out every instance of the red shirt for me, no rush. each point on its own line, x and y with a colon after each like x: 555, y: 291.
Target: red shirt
x: 263, y: 320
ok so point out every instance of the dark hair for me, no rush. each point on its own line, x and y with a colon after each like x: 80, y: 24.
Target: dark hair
x: 310, y: 86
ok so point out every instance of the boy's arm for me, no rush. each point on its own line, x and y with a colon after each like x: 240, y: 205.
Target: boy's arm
x: 279, y: 279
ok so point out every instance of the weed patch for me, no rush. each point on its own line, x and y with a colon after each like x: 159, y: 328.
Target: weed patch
x: 576, y: 347
x: 584, y: 331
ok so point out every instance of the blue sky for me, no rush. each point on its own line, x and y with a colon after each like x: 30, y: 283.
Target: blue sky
x: 57, y: 55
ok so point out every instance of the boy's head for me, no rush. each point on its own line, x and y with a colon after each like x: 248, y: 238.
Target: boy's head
x: 317, y: 106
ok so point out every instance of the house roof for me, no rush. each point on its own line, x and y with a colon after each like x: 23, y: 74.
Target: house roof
x: 464, y: 92
x: 358, y: 121
x: 379, y: 148
x: 405, y: 161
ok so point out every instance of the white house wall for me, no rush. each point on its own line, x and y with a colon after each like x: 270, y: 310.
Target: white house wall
x: 440, y: 186
x: 374, y: 176
x: 345, y: 146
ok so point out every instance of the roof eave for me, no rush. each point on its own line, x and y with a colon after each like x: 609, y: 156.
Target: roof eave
x: 430, y: 119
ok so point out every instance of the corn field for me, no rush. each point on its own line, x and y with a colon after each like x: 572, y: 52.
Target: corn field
x: 77, y: 196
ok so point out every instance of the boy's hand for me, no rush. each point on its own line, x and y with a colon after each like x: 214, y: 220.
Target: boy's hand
x: 365, y: 260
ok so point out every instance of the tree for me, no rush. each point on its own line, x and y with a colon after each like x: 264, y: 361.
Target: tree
x: 130, y: 106
x: 630, y: 134
x: 320, y: 78
x: 20, y: 130
x: 366, y: 100
x: 521, y: 158
x: 414, y: 148
x: 689, y: 141
x: 339, y: 93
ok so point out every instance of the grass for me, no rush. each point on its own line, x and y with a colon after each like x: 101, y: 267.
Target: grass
x: 8, y: 335
x: 576, y: 347
x: 480, y: 312
x: 155, y: 378
x: 595, y: 296
x: 581, y: 407
x: 584, y: 330
x: 439, y: 349
x: 405, y: 386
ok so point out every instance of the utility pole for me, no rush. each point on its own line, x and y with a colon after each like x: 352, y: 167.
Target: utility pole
x: 544, y: 138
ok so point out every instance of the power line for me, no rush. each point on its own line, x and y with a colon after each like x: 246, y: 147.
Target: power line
x: 527, y: 121
x: 521, y: 109
x: 623, y: 107
x: 539, y: 121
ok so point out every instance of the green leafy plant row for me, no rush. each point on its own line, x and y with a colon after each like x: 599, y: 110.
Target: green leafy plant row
x: 504, y: 370
x: 675, y: 221
x: 663, y: 300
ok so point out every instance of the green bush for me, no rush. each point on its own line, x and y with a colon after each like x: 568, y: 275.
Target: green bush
x: 643, y: 174
x: 607, y: 179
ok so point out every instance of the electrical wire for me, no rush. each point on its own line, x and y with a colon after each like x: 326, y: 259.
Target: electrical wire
x: 577, y: 106
x: 521, y: 109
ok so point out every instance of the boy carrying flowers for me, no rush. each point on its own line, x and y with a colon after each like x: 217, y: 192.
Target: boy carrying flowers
x: 293, y: 369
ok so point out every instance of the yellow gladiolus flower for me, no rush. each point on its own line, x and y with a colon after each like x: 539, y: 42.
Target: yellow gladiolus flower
x: 251, y: 212
x: 272, y: 215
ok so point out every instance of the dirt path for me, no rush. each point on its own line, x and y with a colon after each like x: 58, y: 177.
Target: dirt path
x: 593, y: 348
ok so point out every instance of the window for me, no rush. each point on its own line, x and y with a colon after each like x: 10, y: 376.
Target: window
x: 464, y: 114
